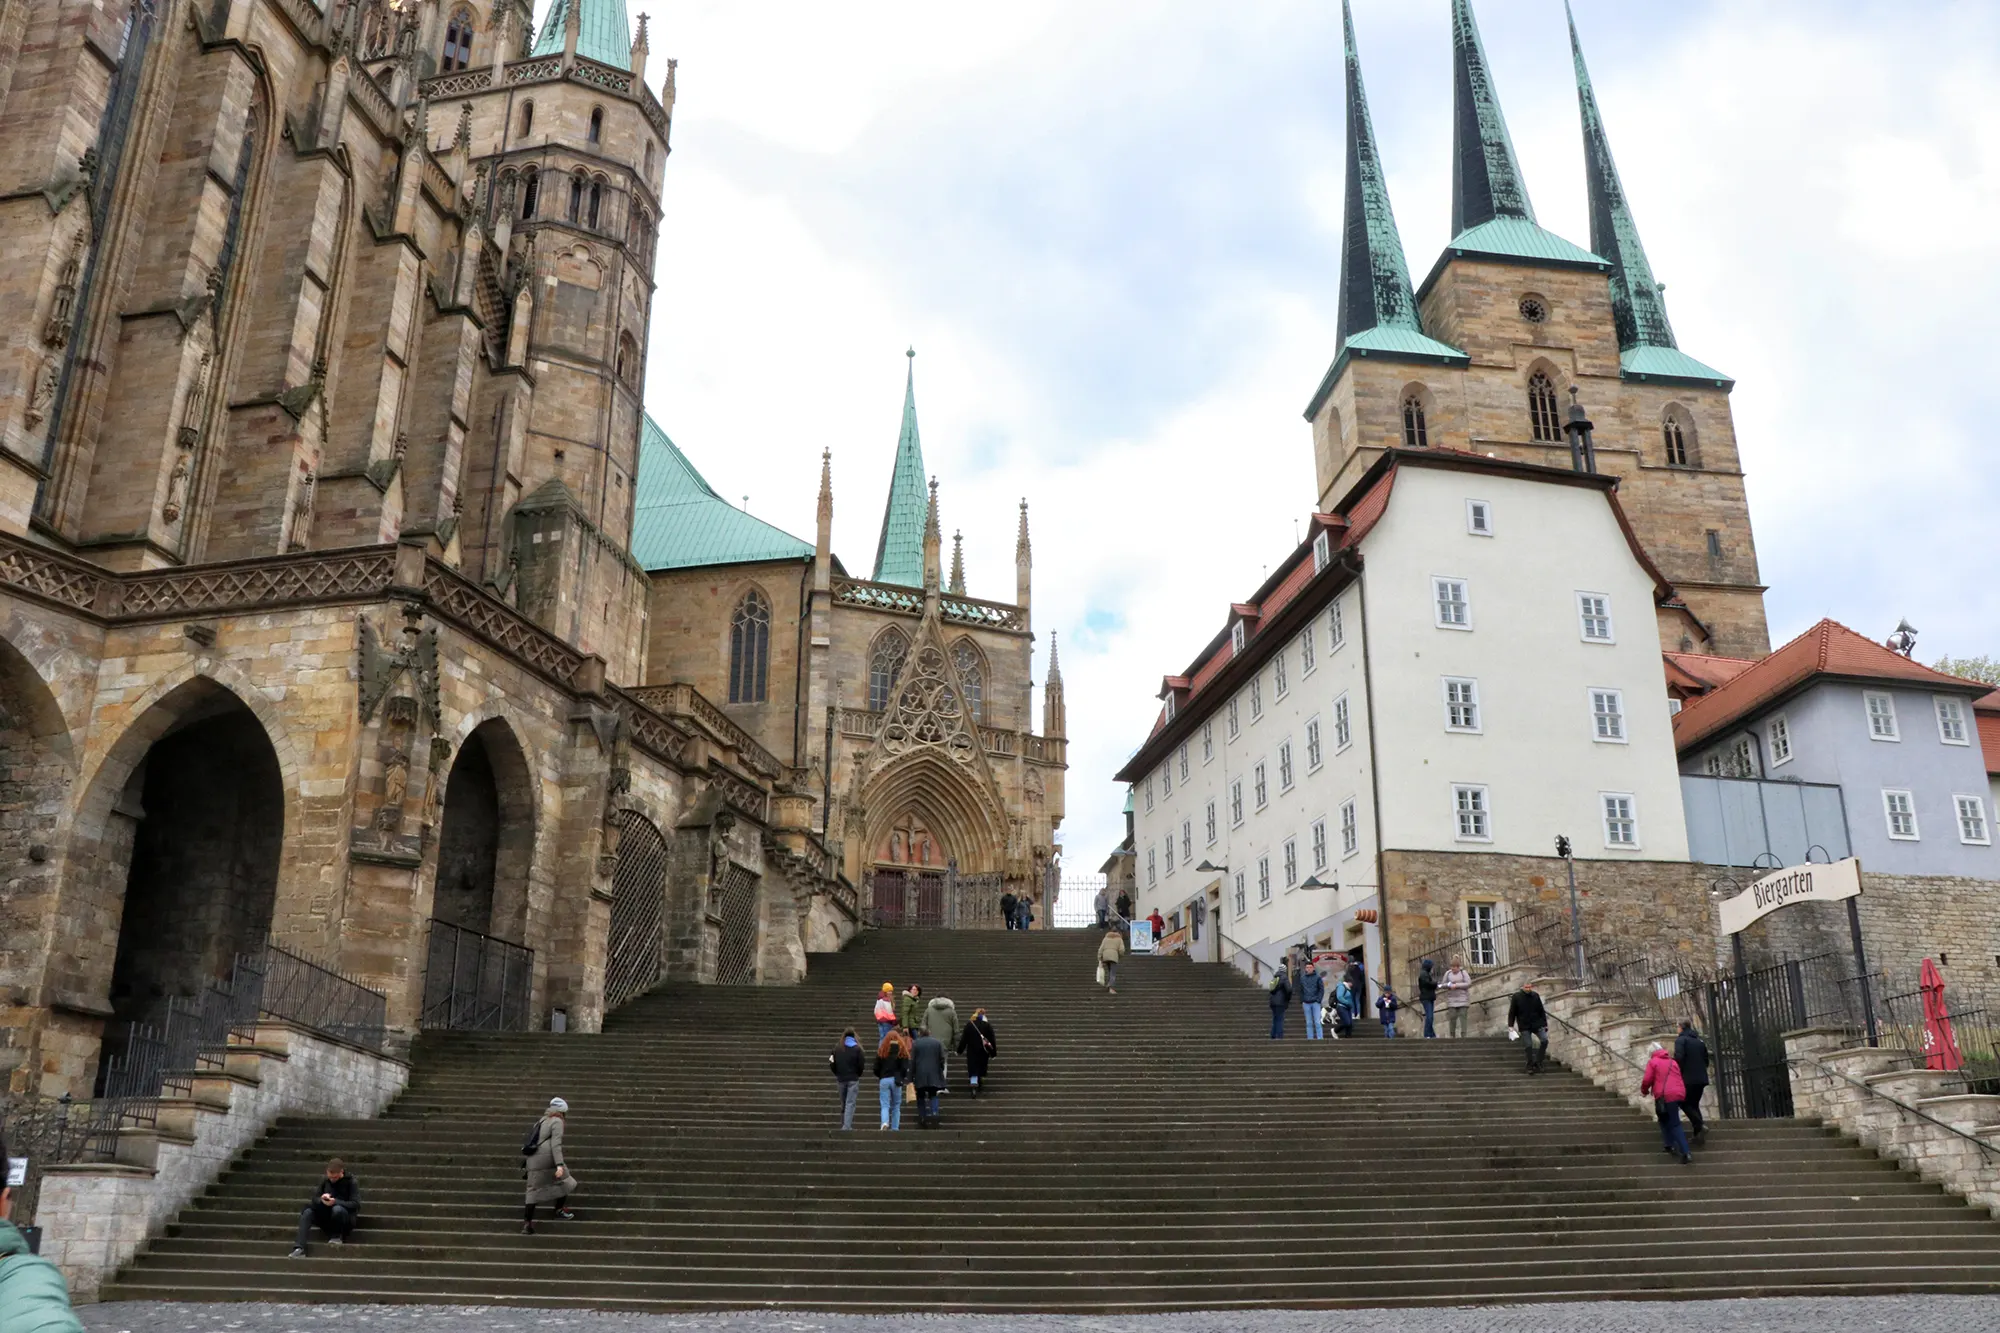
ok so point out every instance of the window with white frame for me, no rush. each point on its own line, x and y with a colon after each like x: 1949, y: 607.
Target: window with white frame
x: 1184, y: 761
x: 1479, y: 518
x: 1169, y: 710
x: 1257, y: 696
x: 1480, y: 948
x: 1234, y: 725
x: 1322, y: 552
x: 1264, y: 878
x: 1778, y: 740
x: 1343, y: 726
x: 1972, y: 820
x: 1593, y: 616
x: 1149, y: 796
x: 1152, y: 875
x: 1621, y: 824
x: 1291, y: 863
x: 1207, y: 741
x: 1881, y: 717
x: 1238, y: 636
x: 1607, y: 714
x: 1166, y: 780
x: 1673, y: 707
x: 1951, y: 721
x: 1474, y: 816
x: 1169, y: 849
x: 1306, y: 652
x: 1236, y: 803
x: 1261, y: 789
x: 1285, y: 766
x: 1211, y: 824
x: 1319, y: 844
x: 1313, y: 754
x: 1350, y: 828
x: 1461, y: 704
x: 1454, y: 609
x: 1900, y: 808
x: 1241, y: 906
x: 1280, y: 678
x: 1336, y: 628
x: 1187, y: 840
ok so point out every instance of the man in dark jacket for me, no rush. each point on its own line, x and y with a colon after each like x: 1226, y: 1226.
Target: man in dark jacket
x: 847, y: 1062
x: 1357, y: 981
x: 1124, y: 909
x: 1530, y: 1020
x: 927, y: 1072
x: 1427, y: 995
x: 334, y: 1207
x: 1281, y: 1000
x: 1691, y: 1054
x: 1312, y: 994
x: 33, y: 1296
x: 1008, y: 906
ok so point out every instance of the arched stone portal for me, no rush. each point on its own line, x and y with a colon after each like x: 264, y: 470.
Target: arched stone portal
x: 488, y: 836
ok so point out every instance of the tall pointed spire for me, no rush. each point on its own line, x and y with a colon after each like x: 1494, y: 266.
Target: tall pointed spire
x: 1485, y: 176
x: 1024, y: 559
x: 1374, y: 277
x: 1055, y: 719
x: 899, y: 552
x: 823, y: 534
x: 933, y: 546
x: 1636, y: 305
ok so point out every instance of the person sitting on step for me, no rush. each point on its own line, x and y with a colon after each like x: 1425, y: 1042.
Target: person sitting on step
x: 549, y: 1178
x: 335, y: 1206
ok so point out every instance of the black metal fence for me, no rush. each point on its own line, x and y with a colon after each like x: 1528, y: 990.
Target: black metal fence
x: 1905, y: 1029
x: 476, y: 982
x: 56, y: 1133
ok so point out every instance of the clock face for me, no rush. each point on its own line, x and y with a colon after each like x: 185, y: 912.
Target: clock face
x: 1533, y: 310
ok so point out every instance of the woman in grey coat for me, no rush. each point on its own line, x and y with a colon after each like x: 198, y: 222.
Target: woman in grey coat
x: 549, y: 1179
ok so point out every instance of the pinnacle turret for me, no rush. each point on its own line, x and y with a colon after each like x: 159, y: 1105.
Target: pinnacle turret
x: 957, y: 584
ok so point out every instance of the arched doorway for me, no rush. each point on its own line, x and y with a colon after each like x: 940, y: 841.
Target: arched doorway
x: 635, y: 956
x: 487, y: 836
x: 196, y: 835
x: 35, y: 775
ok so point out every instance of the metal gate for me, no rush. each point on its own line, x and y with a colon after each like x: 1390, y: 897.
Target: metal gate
x: 935, y: 900
x: 1748, y: 1015
x: 736, y: 951
x: 635, y: 957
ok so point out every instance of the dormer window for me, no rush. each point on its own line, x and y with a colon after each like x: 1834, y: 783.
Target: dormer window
x: 1322, y: 552
x: 1237, y: 637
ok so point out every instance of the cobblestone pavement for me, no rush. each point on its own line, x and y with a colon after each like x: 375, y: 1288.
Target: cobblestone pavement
x: 1890, y: 1314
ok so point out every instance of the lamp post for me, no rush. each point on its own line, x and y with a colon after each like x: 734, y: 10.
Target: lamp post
x: 1564, y: 850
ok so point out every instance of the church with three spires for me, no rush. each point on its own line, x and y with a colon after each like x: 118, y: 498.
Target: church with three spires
x: 903, y: 700
x: 1515, y: 332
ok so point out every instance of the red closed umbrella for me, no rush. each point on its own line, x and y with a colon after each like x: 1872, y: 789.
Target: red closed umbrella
x: 1940, y: 1045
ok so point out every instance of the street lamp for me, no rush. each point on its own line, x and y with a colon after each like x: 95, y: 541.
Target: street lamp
x: 1206, y: 869
x: 1315, y: 882
x: 1575, y: 919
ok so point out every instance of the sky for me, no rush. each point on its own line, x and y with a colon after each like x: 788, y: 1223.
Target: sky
x: 1111, y: 232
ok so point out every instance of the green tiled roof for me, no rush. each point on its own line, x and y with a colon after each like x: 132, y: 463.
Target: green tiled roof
x: 1395, y: 340
x: 1518, y: 238
x: 1669, y: 363
x: 899, y: 553
x: 680, y: 522
x: 604, y: 35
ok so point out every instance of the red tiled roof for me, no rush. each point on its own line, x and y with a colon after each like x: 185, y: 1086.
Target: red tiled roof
x: 1986, y: 712
x: 1827, y: 649
x: 1698, y: 674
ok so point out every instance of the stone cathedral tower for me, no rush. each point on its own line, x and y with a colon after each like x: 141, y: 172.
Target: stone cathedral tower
x: 1511, y: 327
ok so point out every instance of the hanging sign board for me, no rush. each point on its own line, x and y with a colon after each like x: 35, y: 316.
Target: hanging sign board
x: 1812, y: 883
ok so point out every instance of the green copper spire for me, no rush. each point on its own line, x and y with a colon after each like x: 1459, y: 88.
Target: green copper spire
x: 1378, y: 311
x: 604, y: 33
x: 1485, y: 177
x: 1635, y: 298
x: 899, y: 554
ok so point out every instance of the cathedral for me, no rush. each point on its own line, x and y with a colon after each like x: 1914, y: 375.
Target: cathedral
x: 349, y: 603
x: 905, y: 700
x: 1516, y: 332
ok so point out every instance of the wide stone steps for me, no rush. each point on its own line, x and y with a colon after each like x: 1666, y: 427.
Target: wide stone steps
x: 1149, y: 1151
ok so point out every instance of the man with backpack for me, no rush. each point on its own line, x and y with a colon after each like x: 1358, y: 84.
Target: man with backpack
x: 549, y: 1178
x: 1281, y: 1000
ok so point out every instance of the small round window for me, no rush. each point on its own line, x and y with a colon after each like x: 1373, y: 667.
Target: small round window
x: 1534, y: 309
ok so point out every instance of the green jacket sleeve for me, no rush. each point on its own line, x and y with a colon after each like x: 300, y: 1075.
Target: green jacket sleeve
x: 33, y: 1297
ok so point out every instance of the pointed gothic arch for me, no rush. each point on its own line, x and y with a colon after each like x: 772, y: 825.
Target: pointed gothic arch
x: 750, y: 648
x: 457, y: 41
x: 970, y: 663
x: 1418, y: 409
x: 886, y: 657
x: 486, y: 834
x: 1544, y: 405
x: 1678, y: 440
x: 946, y: 800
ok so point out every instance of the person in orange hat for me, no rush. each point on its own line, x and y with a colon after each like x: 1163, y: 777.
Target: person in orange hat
x: 885, y: 1011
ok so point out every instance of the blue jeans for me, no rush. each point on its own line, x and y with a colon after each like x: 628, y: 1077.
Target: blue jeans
x: 1430, y: 1018
x: 1313, y: 1021
x: 850, y: 1090
x: 1671, y: 1134
x: 1277, y: 1024
x: 927, y: 1103
x: 1343, y: 1021
x: 882, y: 1030
x: 1388, y: 1027
x: 892, y: 1103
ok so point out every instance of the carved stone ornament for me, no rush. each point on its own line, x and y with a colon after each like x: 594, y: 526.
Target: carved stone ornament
x: 302, y: 510
x: 62, y: 312
x: 382, y: 666
x: 195, y: 405
x: 929, y: 710
x: 437, y: 774
x: 42, y: 391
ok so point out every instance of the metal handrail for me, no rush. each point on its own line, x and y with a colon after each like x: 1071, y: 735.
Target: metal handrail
x: 1599, y: 1042
x: 1986, y: 1149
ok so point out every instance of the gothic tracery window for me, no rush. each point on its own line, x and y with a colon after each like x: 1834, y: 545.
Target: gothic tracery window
x: 885, y: 667
x: 971, y: 670
x: 596, y: 202
x: 575, y: 198
x: 1544, y: 420
x: 1676, y: 433
x: 457, y: 42
x: 1416, y: 434
x: 749, y: 649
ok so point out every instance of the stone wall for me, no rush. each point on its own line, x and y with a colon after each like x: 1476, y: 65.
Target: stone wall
x: 95, y: 1217
x: 1904, y: 920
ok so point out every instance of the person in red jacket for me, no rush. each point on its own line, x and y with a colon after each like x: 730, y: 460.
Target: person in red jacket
x: 1663, y: 1080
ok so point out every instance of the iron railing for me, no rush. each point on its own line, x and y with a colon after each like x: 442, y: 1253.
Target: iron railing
x: 476, y: 982
x: 298, y: 990
x: 1906, y: 1030
x: 56, y: 1132
x: 1539, y: 937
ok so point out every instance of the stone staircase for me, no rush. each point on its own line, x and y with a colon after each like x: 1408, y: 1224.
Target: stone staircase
x: 1148, y: 1151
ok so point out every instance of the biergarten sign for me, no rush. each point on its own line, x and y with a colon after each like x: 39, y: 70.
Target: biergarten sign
x: 1814, y: 882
